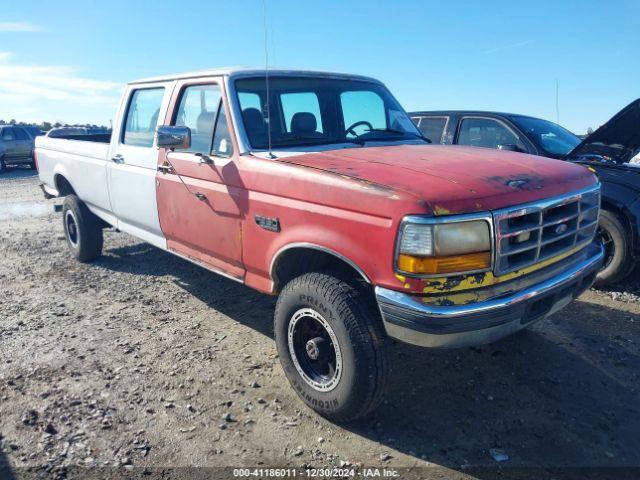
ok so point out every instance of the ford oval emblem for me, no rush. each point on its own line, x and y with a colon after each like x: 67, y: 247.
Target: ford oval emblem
x: 560, y: 229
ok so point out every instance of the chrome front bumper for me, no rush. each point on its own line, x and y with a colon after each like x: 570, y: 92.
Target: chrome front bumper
x: 410, y: 320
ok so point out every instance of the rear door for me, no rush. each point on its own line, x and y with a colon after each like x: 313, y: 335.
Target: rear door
x: 200, y: 196
x: 134, y: 156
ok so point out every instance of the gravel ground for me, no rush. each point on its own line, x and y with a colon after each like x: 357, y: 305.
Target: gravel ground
x: 142, y: 360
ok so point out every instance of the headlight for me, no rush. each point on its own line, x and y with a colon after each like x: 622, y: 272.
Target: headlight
x: 444, y: 248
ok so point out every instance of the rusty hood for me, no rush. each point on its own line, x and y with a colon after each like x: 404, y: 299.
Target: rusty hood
x: 452, y: 179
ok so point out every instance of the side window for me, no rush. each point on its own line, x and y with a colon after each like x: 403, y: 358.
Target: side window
x: 487, y: 133
x: 298, y: 108
x: 142, y: 117
x: 198, y: 107
x: 433, y: 128
x: 20, y: 134
x: 222, y: 145
x: 363, y: 106
x: 7, y: 134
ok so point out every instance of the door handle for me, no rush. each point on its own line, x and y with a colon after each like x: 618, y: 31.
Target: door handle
x: 117, y: 158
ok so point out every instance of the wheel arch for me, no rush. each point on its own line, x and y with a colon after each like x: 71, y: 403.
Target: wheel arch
x: 295, y: 259
x: 63, y: 185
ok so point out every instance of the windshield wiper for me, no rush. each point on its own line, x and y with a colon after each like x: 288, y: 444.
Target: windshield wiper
x: 396, y: 132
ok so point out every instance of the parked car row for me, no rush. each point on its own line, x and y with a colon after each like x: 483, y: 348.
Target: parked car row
x: 611, y: 151
x: 318, y: 188
x: 16, y: 145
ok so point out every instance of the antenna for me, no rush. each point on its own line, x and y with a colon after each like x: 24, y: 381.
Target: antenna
x: 266, y: 75
x: 557, y: 104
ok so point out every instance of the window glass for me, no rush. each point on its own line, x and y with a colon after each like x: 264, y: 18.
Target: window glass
x: 7, y: 134
x: 20, y: 134
x: 249, y: 100
x: 550, y: 137
x: 298, y: 106
x: 487, y: 133
x: 142, y: 117
x: 198, y: 108
x: 433, y: 128
x: 311, y: 111
x: 222, y: 145
x: 363, y: 106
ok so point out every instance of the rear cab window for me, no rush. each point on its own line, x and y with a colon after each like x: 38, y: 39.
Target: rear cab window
x: 142, y: 117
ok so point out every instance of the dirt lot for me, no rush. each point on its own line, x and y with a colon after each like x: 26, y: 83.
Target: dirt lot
x: 144, y: 360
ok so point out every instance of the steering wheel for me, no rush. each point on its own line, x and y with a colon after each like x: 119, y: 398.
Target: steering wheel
x: 357, y: 124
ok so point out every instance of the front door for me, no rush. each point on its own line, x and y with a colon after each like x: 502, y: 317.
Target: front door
x: 133, y: 165
x: 200, y: 196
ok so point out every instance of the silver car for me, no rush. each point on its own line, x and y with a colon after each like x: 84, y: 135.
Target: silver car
x: 16, y: 146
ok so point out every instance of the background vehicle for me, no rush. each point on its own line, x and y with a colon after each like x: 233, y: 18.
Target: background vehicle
x: 609, y: 151
x: 16, y: 146
x: 318, y: 188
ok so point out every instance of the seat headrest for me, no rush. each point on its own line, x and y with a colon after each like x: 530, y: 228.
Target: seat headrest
x: 253, y: 119
x: 304, y: 122
x: 204, y: 124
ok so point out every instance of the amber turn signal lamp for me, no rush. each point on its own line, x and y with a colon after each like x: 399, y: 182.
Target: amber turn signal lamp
x: 450, y: 264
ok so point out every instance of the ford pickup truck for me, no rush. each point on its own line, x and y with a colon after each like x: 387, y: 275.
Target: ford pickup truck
x: 318, y: 188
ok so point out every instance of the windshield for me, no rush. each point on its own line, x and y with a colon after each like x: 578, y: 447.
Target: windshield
x: 550, y: 137
x: 308, y: 111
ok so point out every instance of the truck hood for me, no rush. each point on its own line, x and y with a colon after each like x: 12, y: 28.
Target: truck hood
x: 616, y: 141
x: 452, y: 179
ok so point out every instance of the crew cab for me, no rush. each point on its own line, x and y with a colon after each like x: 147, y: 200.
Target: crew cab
x: 318, y: 188
x: 612, y: 151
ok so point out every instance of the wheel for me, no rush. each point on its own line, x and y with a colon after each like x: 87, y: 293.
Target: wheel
x: 617, y: 249
x: 332, y: 345
x: 82, y: 229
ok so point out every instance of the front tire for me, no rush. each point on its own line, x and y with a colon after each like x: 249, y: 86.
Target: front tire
x: 617, y: 246
x: 82, y: 229
x: 332, y: 345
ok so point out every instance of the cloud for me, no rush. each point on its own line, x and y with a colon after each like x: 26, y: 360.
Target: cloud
x: 51, y: 91
x: 19, y: 27
x: 507, y: 47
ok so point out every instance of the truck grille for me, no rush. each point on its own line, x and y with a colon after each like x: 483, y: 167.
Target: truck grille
x: 531, y: 233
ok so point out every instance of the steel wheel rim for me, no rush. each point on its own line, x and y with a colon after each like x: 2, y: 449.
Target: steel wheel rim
x: 71, y: 228
x: 609, y: 246
x: 310, y: 335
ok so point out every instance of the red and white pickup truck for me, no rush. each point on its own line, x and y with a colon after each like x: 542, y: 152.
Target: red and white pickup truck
x: 318, y: 188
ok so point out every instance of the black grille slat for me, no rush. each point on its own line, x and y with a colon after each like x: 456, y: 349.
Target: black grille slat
x: 526, y: 235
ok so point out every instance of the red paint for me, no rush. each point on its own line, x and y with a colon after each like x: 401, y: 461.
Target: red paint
x: 350, y: 201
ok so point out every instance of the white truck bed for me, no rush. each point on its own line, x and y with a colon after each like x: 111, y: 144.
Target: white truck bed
x: 83, y: 163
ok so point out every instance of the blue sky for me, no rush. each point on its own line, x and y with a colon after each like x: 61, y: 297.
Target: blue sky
x: 66, y: 60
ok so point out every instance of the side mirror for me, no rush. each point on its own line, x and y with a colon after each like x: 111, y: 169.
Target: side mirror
x: 173, y: 137
x: 510, y: 147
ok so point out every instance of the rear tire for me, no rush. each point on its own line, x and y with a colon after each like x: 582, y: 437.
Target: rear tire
x: 617, y: 245
x: 82, y: 229
x: 315, y: 312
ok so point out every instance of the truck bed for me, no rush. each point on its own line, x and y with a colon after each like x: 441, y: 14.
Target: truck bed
x: 82, y: 161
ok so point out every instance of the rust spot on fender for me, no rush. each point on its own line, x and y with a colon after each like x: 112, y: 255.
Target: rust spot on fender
x: 438, y: 210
